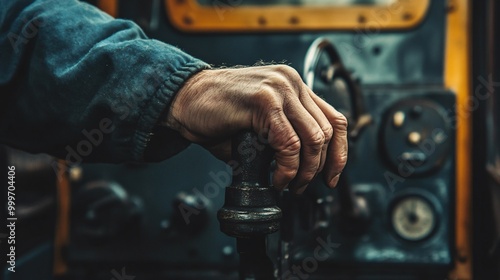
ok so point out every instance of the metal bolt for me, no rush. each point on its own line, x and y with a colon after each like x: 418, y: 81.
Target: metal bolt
x: 262, y: 21
x: 227, y: 251
x: 75, y: 173
x: 407, y: 16
x: 165, y: 225
x: 416, y: 111
x: 188, y: 20
x: 361, y: 19
x: 398, y: 119
x: 414, y: 137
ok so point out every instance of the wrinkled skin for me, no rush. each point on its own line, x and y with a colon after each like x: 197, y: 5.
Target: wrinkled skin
x: 307, y: 134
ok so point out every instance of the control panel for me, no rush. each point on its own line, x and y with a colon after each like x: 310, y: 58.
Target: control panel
x: 391, y: 216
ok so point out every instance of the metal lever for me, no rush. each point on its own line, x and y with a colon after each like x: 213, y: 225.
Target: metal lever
x: 250, y: 212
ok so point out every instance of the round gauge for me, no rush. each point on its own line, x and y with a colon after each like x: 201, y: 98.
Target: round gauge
x: 416, y: 136
x: 413, y: 218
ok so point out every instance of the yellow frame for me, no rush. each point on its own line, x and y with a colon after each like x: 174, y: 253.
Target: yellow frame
x: 458, y: 78
x: 190, y: 16
x: 109, y: 6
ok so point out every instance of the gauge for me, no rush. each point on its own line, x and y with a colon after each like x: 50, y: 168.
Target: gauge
x: 416, y: 136
x: 413, y: 218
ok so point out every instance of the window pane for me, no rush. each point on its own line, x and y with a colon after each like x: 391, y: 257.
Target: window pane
x: 296, y: 2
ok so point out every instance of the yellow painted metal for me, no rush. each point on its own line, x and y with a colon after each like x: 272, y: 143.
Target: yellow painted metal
x: 109, y: 6
x: 458, y: 78
x: 189, y: 15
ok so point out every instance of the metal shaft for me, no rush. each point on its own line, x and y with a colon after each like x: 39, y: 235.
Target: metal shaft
x: 250, y: 212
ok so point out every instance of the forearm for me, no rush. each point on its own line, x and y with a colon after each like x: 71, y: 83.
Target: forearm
x: 83, y: 73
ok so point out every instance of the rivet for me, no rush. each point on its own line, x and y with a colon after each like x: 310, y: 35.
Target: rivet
x: 407, y: 16
x: 188, y: 20
x: 362, y: 19
x: 398, y: 119
x: 75, y: 173
x: 414, y: 137
x: 262, y: 21
x: 227, y: 251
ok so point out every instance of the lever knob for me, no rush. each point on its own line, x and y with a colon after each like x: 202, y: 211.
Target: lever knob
x: 250, y: 203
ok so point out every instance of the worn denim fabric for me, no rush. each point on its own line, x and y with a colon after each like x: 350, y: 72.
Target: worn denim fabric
x: 80, y: 85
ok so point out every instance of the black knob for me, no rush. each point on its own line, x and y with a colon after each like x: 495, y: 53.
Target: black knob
x: 190, y: 213
x: 103, y: 210
x: 250, y: 203
x: 354, y: 212
x: 250, y: 211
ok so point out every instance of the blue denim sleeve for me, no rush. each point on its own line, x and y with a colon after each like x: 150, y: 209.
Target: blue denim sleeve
x: 82, y: 86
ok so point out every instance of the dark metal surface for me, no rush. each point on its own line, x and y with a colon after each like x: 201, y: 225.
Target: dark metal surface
x: 250, y: 205
x: 254, y: 262
x: 378, y: 250
x: 485, y: 147
x: 413, y: 57
x: 250, y: 212
x: 391, y: 67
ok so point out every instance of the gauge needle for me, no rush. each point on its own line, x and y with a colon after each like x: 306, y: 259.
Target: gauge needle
x: 409, y: 207
x: 412, y: 212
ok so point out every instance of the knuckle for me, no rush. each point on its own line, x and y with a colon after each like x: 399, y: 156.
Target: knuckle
x: 276, y: 79
x: 283, y: 140
x: 340, y: 122
x: 283, y: 68
x: 317, y: 140
x: 309, y: 176
x: 290, y: 77
x: 267, y: 97
x: 328, y: 132
x: 292, y: 145
x: 288, y: 71
x: 290, y: 174
x: 340, y: 161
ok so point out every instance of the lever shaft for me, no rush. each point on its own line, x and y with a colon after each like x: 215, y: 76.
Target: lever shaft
x: 250, y: 212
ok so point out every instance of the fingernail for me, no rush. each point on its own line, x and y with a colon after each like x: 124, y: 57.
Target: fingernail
x: 333, y: 182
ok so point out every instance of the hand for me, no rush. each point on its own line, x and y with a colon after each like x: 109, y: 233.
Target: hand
x: 306, y: 133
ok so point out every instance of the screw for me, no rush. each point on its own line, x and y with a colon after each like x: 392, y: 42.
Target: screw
x: 227, y: 251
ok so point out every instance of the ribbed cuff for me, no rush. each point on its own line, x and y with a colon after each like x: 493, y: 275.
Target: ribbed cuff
x: 148, y: 135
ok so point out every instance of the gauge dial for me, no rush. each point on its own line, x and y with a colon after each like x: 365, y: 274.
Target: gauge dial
x: 415, y: 135
x: 413, y: 218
